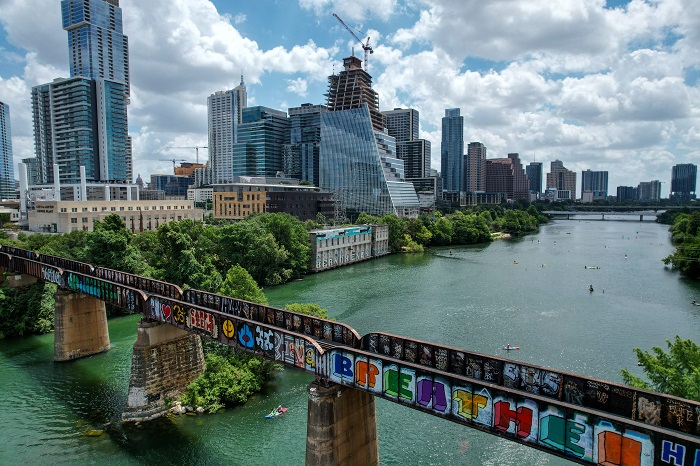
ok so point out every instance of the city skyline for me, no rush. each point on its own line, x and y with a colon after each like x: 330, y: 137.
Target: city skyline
x: 621, y: 90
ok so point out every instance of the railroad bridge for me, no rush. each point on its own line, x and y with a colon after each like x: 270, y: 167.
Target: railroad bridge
x: 582, y: 419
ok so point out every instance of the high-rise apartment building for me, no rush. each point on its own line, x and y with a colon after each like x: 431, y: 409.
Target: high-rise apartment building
x: 403, y: 125
x: 224, y: 115
x: 7, y: 172
x: 595, y: 182
x: 452, y: 151
x: 351, y: 88
x: 475, y: 168
x: 506, y: 175
x: 302, y: 153
x: 534, y: 173
x: 261, y: 137
x: 683, y: 181
x: 80, y: 122
x: 561, y: 179
x: 649, y: 191
x: 626, y: 193
x: 97, y: 46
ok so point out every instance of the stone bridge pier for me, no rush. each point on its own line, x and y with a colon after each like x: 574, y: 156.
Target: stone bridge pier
x: 341, y: 427
x: 165, y: 360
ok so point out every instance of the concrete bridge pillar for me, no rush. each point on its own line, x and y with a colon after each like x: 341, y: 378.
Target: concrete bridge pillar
x: 341, y: 427
x: 165, y: 360
x: 80, y: 324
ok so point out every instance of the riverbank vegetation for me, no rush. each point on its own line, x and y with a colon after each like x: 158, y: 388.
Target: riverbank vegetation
x: 685, y: 233
x: 676, y: 372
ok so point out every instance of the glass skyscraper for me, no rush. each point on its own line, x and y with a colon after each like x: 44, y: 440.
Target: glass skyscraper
x: 97, y: 45
x: 359, y: 165
x: 683, y: 181
x: 7, y: 172
x: 302, y: 153
x: 534, y: 175
x: 262, y: 135
x: 452, y: 151
x: 596, y: 182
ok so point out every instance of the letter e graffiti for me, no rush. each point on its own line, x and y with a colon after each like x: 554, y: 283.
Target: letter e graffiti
x: 432, y: 391
x: 560, y: 434
x: 675, y: 451
x: 521, y: 416
x: 342, y: 366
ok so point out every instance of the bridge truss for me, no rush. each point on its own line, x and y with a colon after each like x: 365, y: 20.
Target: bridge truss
x: 585, y: 420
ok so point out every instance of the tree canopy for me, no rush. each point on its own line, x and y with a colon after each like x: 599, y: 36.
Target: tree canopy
x: 676, y: 372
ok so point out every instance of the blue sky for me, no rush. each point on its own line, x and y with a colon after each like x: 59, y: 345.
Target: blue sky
x: 607, y: 86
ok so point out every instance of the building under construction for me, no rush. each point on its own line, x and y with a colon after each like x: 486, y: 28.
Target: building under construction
x: 353, y: 87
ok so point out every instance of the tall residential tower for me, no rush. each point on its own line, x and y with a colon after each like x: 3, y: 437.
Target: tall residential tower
x: 452, y: 151
x: 7, y: 172
x: 683, y: 181
x: 224, y: 115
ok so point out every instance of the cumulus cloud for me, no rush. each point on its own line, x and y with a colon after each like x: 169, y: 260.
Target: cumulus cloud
x: 356, y: 10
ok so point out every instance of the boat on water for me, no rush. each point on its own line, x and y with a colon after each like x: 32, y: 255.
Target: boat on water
x: 278, y: 411
x: 594, y: 267
x: 508, y: 347
x: 590, y: 289
x: 695, y: 303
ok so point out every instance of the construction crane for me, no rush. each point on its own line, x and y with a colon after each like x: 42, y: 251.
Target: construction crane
x: 196, y: 148
x: 365, y: 46
x: 173, y: 161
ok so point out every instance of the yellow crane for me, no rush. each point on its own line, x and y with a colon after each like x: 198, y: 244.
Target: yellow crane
x: 365, y: 46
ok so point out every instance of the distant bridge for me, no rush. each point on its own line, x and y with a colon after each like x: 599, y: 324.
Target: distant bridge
x: 579, y: 418
x: 601, y: 213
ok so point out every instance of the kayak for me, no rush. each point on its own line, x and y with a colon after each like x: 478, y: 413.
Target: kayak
x: 276, y: 413
x: 510, y: 348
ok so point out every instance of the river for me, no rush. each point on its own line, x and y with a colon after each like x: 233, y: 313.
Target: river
x: 531, y: 292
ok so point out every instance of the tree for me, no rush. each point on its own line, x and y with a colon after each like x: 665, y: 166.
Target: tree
x: 109, y: 245
x: 4, y: 218
x: 675, y: 373
x: 240, y: 284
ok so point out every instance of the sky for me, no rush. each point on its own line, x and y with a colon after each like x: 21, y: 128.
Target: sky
x: 598, y: 85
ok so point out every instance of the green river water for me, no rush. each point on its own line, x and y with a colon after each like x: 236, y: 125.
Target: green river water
x: 531, y: 292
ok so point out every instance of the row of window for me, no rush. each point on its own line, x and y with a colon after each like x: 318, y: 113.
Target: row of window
x: 122, y: 208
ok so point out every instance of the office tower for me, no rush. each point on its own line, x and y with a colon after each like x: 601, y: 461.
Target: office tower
x: 351, y: 88
x: 97, y: 46
x: 452, y: 150
x: 224, y: 115
x: 80, y: 122
x: 261, y: 137
x: 359, y: 165
x: 561, y: 179
x: 626, y: 193
x: 7, y: 172
x: 683, y: 181
x: 534, y: 175
x: 403, y: 125
x: 506, y: 175
x: 595, y: 182
x: 475, y: 167
x: 302, y: 152
x: 649, y: 191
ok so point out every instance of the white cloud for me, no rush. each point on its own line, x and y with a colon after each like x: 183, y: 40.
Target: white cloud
x: 356, y: 10
x: 297, y: 86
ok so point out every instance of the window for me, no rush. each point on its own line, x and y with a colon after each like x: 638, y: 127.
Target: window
x: 63, y: 209
x: 73, y: 220
x: 94, y: 209
x: 112, y: 209
x: 85, y: 209
x: 121, y: 208
x: 85, y: 219
x: 74, y: 209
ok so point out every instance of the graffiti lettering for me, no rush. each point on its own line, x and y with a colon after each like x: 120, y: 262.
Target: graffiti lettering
x: 367, y: 374
x: 398, y: 383
x: 522, y: 417
x: 203, y: 321
x: 615, y: 449
x: 468, y: 404
x: 562, y: 434
x: 672, y: 451
x: 52, y: 276
x: 430, y: 392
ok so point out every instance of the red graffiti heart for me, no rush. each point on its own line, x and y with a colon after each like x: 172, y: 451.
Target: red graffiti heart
x: 166, y: 311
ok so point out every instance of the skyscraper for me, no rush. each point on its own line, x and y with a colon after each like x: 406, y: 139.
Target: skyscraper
x: 261, y: 137
x: 224, y: 115
x: 7, y: 172
x: 403, y: 125
x: 561, y: 179
x: 452, y: 151
x: 80, y: 122
x: 475, y: 167
x: 506, y: 175
x: 649, y: 190
x: 683, y: 181
x: 302, y: 152
x: 351, y: 88
x: 97, y: 46
x: 357, y: 163
x: 595, y: 182
x: 534, y: 176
